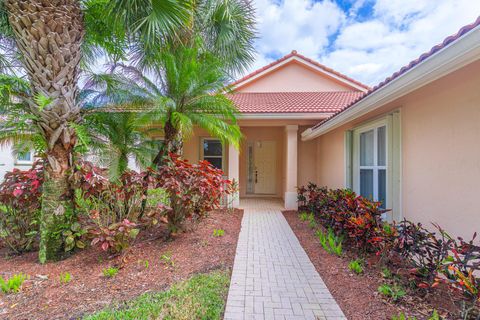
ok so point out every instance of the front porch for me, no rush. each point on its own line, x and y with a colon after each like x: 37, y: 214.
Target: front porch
x: 266, y: 166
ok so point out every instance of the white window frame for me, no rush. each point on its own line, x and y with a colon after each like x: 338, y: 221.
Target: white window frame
x: 25, y: 162
x: 375, y: 167
x: 202, y: 156
x: 392, y: 122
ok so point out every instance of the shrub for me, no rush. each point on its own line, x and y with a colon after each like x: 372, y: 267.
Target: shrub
x: 356, y: 266
x: 356, y: 217
x: 13, y: 284
x: 461, y: 269
x: 423, y: 250
x: 20, y: 201
x: 112, y: 210
x: 114, y: 238
x: 193, y: 189
x: 110, y: 272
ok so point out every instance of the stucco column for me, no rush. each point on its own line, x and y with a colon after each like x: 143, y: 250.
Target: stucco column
x: 234, y: 173
x: 291, y: 141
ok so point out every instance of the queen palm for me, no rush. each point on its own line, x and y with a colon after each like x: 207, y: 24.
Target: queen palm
x: 52, y: 37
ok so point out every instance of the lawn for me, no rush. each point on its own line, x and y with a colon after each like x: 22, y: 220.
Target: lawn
x: 200, y: 297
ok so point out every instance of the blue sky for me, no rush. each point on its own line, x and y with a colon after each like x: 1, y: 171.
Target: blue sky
x: 365, y: 39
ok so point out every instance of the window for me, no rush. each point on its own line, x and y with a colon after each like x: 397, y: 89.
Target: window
x: 372, y: 162
x: 212, y: 151
x: 373, y: 166
x: 25, y: 157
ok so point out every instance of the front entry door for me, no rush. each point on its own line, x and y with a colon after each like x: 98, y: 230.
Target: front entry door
x: 264, y: 167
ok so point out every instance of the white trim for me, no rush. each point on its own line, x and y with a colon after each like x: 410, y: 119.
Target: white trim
x: 25, y: 162
x: 305, y: 62
x: 454, y: 56
x: 285, y: 116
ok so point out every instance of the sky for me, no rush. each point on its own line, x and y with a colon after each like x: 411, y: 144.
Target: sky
x: 367, y: 40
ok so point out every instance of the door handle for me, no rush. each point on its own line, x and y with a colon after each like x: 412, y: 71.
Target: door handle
x: 256, y: 176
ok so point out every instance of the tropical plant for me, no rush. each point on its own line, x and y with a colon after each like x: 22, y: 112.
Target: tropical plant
x: 356, y: 266
x: 20, y: 195
x: 117, y: 136
x: 110, y: 272
x: 194, y: 189
x: 424, y: 250
x: 394, y: 292
x: 12, y: 284
x: 52, y: 37
x: 186, y: 89
x: 65, y: 277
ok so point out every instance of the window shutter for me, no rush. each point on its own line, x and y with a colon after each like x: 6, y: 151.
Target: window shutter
x: 348, y: 159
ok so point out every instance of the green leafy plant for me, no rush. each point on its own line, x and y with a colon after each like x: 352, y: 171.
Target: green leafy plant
x: 147, y: 264
x: 65, y: 277
x: 356, y: 266
x: 394, y: 292
x: 312, y: 224
x: 386, y: 273
x: 330, y: 242
x: 110, y: 272
x: 218, y: 232
x: 303, y: 216
x: 12, y: 284
x: 167, y: 259
x: 73, y: 237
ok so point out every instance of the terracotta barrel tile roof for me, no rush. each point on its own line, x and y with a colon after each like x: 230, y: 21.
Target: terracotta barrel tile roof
x: 293, y: 102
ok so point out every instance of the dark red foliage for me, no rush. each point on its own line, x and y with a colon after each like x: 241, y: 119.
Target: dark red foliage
x: 20, y: 202
x: 111, y: 209
x: 423, y: 249
x: 356, y: 217
x: 22, y: 190
x: 193, y: 189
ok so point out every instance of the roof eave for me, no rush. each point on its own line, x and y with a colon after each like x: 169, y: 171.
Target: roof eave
x: 453, y: 57
x: 299, y: 58
x: 285, y: 115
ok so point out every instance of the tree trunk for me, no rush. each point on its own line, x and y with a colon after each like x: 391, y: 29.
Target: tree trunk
x: 49, y: 34
x: 173, y: 143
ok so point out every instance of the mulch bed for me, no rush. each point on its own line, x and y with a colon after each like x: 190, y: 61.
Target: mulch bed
x: 357, y: 294
x: 44, y: 296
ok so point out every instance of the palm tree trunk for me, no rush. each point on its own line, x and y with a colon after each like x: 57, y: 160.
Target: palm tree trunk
x: 49, y: 34
x: 173, y: 143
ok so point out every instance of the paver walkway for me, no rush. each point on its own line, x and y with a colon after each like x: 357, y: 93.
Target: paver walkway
x: 273, y: 278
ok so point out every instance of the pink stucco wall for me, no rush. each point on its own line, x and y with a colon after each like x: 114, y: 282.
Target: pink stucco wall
x: 294, y: 77
x: 440, y: 126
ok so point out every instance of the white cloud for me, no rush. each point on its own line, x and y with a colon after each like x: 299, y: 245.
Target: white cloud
x: 295, y: 24
x: 368, y: 50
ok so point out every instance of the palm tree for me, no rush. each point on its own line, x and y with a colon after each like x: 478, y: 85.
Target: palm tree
x: 52, y: 37
x: 117, y: 137
x: 186, y: 89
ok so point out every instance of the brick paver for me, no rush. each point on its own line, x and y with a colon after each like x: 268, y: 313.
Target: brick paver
x: 273, y: 278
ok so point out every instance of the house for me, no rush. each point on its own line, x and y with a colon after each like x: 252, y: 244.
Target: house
x: 277, y: 103
x: 9, y: 161
x: 413, y: 140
